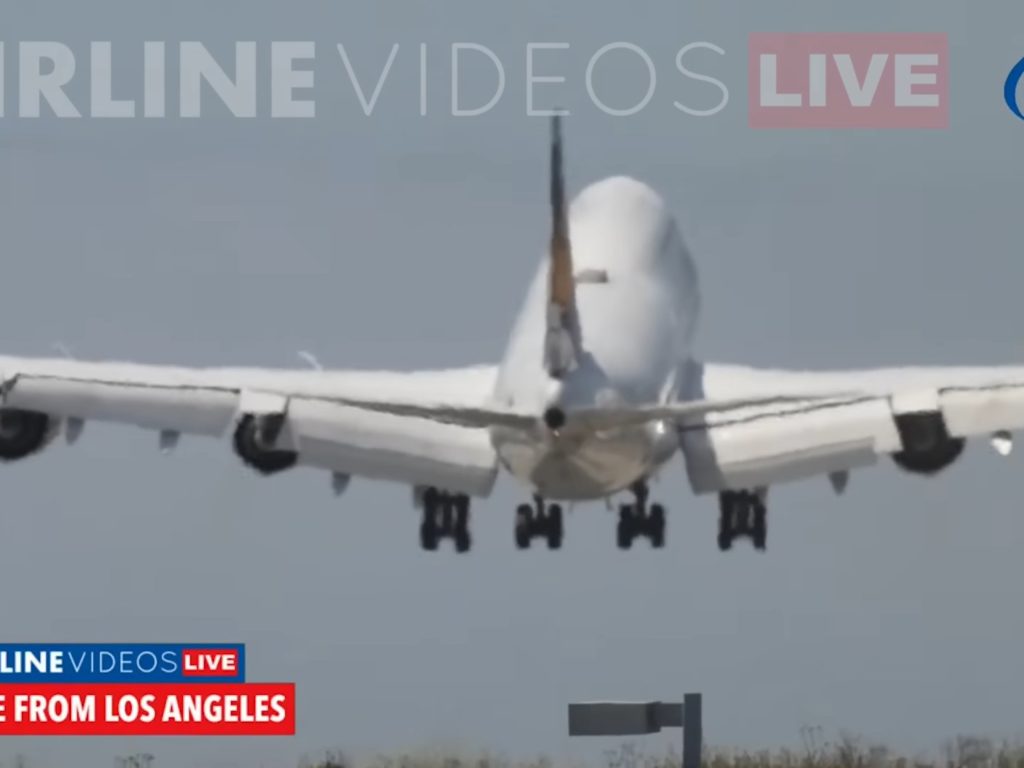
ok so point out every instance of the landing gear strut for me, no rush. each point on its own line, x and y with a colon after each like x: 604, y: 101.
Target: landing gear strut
x: 742, y: 514
x: 638, y: 519
x: 539, y: 521
x: 445, y: 515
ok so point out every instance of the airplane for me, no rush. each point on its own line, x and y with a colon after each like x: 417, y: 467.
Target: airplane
x: 596, y: 392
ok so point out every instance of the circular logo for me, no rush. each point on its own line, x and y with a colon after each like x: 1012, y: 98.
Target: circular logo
x: 1010, y: 89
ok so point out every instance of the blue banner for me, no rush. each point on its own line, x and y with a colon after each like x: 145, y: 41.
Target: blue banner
x: 122, y: 663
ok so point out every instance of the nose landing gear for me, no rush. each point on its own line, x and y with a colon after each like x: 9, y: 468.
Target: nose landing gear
x: 638, y: 519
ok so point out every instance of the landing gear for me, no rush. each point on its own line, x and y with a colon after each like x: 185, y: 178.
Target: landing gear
x: 638, y: 519
x: 445, y: 515
x: 539, y: 521
x: 742, y: 514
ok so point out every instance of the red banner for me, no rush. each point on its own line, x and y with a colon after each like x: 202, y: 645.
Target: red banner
x: 160, y: 709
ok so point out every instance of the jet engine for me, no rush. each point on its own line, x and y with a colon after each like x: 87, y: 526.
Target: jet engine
x: 254, y: 440
x: 927, y: 445
x: 23, y: 433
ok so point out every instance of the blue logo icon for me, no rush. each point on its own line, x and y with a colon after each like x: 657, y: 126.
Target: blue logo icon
x: 1010, y: 89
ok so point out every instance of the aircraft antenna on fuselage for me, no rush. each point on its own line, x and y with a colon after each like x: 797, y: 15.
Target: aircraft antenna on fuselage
x: 563, y: 337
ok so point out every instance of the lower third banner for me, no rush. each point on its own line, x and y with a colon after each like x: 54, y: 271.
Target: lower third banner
x: 167, y: 709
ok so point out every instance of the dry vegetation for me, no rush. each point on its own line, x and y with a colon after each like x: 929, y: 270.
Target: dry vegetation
x: 815, y: 752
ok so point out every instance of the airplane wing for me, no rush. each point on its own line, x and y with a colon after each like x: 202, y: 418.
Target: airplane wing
x: 739, y: 427
x: 278, y: 418
x: 920, y: 417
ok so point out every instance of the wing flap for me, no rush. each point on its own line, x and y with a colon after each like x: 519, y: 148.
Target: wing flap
x: 841, y: 430
x: 382, y: 446
x: 765, y: 446
x: 970, y: 412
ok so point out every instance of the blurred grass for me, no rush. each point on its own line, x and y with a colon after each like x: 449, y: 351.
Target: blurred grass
x: 815, y: 752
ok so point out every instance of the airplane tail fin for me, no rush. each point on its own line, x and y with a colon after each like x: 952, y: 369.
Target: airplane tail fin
x: 562, y: 343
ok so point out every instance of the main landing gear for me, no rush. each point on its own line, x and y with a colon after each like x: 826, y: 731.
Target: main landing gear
x: 638, y: 519
x: 445, y: 516
x: 539, y: 521
x: 742, y: 514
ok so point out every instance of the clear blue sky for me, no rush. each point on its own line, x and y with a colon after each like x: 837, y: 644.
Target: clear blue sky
x: 403, y: 241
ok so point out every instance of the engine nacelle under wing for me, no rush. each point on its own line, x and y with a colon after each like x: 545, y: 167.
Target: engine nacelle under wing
x: 261, y: 439
x: 254, y: 440
x: 23, y: 432
x: 927, y: 446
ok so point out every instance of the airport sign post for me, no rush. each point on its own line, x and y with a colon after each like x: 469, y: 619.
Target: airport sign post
x: 630, y: 718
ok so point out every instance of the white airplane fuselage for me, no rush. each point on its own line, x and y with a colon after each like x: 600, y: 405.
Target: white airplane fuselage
x: 637, y: 303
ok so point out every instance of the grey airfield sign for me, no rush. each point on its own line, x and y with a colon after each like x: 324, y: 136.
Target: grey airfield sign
x: 638, y: 718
